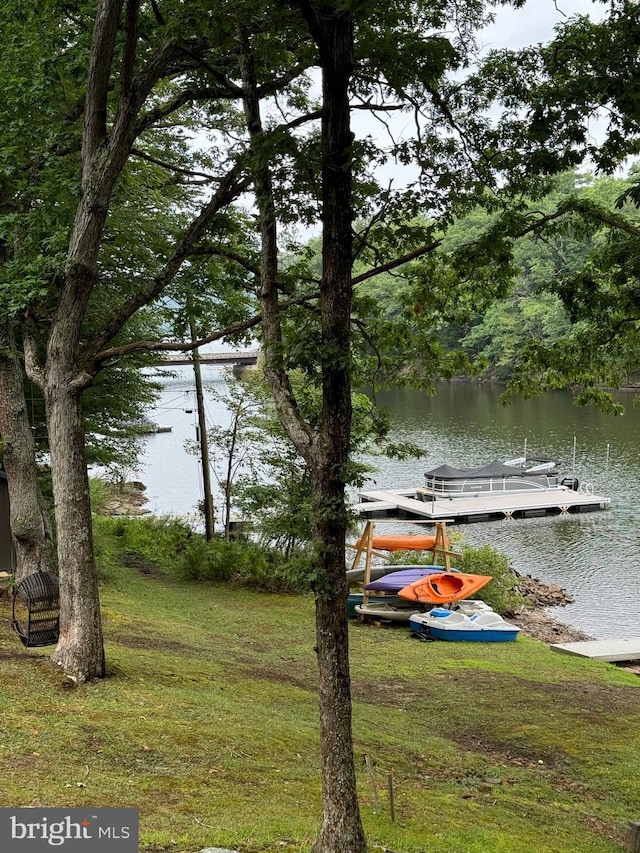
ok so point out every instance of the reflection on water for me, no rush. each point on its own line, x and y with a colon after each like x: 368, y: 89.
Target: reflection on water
x: 595, y: 556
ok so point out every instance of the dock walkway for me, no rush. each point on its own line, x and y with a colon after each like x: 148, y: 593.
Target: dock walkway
x: 479, y: 507
x: 612, y: 651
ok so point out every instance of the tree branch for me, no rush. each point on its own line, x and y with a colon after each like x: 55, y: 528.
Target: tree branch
x: 115, y: 353
x: 98, y: 77
x: 130, y: 48
x: 222, y: 252
x: 397, y: 262
x: 32, y: 363
x: 172, y: 167
x: 231, y: 186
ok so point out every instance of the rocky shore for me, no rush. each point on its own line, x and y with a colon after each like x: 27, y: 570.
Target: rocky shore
x: 533, y: 617
x: 125, y: 499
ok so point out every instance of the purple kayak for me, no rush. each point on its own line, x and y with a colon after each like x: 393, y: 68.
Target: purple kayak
x: 397, y: 580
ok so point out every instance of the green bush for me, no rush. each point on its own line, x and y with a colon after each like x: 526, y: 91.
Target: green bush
x: 291, y: 575
x: 99, y: 493
x: 162, y: 540
x: 501, y: 593
x: 159, y: 541
x: 196, y: 562
x: 411, y: 558
x: 214, y: 561
x: 243, y: 563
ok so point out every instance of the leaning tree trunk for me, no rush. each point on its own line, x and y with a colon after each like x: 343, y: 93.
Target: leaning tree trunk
x: 29, y: 519
x: 80, y: 650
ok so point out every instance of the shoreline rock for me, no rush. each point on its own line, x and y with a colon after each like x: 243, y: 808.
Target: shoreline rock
x: 126, y: 499
x: 533, y: 618
x: 540, y: 626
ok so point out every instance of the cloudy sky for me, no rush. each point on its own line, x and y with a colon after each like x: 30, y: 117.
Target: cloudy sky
x: 535, y: 22
x: 513, y: 28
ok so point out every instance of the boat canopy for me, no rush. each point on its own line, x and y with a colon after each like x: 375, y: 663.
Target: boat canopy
x: 493, y: 469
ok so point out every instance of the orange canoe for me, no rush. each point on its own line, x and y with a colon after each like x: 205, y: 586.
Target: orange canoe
x: 444, y: 587
x: 405, y: 542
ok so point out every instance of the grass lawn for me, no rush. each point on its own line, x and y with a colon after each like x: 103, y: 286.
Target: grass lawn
x: 208, y: 724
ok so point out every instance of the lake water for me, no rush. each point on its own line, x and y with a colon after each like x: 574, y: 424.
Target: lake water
x: 594, y: 556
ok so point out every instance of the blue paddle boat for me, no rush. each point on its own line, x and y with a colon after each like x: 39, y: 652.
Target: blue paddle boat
x: 482, y: 627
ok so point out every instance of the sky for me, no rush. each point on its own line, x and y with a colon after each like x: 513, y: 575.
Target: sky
x: 516, y: 28
x: 513, y: 28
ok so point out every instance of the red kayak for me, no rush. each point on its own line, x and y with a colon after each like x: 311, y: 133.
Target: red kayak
x: 402, y: 542
x: 444, y: 587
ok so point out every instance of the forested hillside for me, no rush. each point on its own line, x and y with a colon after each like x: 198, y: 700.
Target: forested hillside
x: 550, y: 300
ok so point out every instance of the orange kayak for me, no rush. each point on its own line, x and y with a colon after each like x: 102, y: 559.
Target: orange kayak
x: 405, y: 542
x: 444, y: 587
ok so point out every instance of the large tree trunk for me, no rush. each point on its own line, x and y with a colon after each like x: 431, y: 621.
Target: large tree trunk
x: 341, y: 830
x: 80, y: 651
x: 325, y: 451
x: 30, y: 522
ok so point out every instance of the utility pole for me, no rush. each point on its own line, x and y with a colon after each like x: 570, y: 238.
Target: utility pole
x: 209, y: 515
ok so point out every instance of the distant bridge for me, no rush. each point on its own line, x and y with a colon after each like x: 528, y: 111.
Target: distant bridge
x: 241, y: 358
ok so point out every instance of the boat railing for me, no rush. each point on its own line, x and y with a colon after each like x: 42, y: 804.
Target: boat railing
x: 469, y: 488
x: 540, y: 465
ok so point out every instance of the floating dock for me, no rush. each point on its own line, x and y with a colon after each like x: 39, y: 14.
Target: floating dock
x: 612, y: 651
x: 413, y: 503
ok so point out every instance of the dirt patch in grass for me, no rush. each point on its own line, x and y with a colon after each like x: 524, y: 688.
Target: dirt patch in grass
x: 154, y: 643
x: 393, y: 694
x: 293, y: 675
x: 585, y: 697
x: 134, y: 561
x: 521, y: 753
x: 605, y: 830
x: 17, y: 655
x: 27, y: 763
